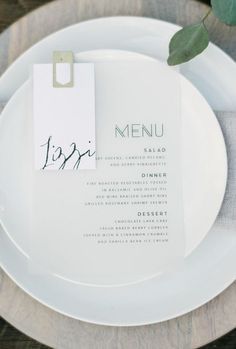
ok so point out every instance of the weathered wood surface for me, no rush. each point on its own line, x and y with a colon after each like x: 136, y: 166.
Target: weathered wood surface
x: 11, y: 10
x: 190, y: 331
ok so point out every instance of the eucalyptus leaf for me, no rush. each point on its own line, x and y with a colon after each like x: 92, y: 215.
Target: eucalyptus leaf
x: 188, y: 43
x: 225, y: 10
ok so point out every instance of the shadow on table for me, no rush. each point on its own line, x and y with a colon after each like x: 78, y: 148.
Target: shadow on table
x: 10, y: 338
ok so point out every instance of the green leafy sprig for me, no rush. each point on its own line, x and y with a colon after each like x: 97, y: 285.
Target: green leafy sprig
x: 192, y: 40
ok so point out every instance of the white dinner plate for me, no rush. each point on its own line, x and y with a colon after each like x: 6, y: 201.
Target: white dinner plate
x: 204, y: 185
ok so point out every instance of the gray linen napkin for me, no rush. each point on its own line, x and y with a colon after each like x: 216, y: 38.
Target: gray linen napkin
x: 1, y: 106
x: 227, y: 215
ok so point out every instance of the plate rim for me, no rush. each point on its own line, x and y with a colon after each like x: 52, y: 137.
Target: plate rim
x: 140, y: 19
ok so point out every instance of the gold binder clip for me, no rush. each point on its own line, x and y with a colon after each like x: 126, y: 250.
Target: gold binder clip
x: 63, y: 70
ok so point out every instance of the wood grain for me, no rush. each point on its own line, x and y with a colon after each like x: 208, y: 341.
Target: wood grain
x: 10, y: 338
x: 189, y: 331
x: 11, y: 10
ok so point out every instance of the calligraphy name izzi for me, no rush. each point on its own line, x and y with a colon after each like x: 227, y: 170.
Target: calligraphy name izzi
x: 55, y: 155
x: 139, y: 130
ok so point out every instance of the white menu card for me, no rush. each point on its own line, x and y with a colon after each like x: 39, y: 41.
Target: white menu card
x: 123, y: 221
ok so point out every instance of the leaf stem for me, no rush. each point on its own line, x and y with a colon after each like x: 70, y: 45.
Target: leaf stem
x: 206, y: 15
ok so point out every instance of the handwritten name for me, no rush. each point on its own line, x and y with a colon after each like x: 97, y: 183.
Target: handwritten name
x: 55, y: 155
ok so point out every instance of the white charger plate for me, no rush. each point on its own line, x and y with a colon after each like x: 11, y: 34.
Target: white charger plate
x: 211, y: 268
x: 202, y: 139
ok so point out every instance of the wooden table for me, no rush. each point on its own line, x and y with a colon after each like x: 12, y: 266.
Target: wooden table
x: 189, y: 331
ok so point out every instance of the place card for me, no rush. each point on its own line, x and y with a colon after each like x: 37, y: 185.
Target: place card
x: 64, y: 118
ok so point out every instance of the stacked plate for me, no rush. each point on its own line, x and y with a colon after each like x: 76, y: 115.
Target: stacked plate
x: 209, y: 261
